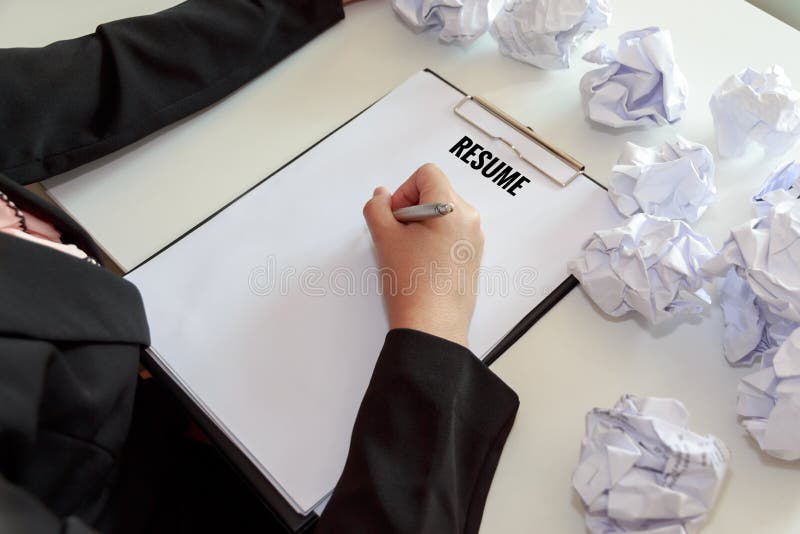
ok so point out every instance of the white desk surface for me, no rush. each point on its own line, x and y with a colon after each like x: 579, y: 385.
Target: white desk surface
x: 142, y: 197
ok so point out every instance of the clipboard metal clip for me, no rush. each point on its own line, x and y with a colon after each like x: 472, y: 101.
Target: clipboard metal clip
x: 570, y: 161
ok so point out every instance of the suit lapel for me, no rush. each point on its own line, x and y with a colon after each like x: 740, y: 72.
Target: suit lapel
x: 46, y: 294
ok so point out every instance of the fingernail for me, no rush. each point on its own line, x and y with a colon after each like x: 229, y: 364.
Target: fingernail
x: 378, y: 191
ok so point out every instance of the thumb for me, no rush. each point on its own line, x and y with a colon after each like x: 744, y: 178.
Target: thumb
x: 378, y: 211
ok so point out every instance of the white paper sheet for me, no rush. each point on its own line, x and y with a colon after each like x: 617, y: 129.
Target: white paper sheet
x: 781, y: 185
x: 755, y: 106
x: 675, y: 180
x: 544, y: 32
x: 744, y: 324
x: 751, y: 330
x: 268, y: 313
x: 769, y: 401
x: 641, y: 84
x: 766, y: 253
x: 650, y: 265
x: 461, y: 21
x: 643, y: 470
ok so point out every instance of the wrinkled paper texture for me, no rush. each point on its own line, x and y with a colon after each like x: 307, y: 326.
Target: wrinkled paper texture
x: 755, y: 106
x: 640, y: 84
x: 769, y: 401
x: 544, y: 32
x: 675, y: 180
x: 751, y: 330
x: 782, y: 185
x: 650, y: 265
x: 760, y: 300
x: 643, y: 470
x: 457, y: 20
x: 765, y: 252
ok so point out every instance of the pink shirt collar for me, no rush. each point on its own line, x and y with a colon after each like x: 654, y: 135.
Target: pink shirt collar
x: 14, y: 221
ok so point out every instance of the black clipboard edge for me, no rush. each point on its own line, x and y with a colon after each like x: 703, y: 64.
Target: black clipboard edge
x: 274, y: 501
x: 233, y: 456
x: 529, y: 320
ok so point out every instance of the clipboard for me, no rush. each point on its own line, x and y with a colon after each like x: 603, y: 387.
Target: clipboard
x: 571, y: 282
x: 242, y: 464
x: 577, y: 166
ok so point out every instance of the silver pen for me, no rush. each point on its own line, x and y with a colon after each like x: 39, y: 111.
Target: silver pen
x: 422, y: 212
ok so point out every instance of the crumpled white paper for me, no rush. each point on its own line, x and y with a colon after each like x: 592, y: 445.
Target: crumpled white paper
x: 769, y: 401
x: 760, y: 300
x: 643, y: 470
x: 649, y: 264
x: 766, y: 253
x: 751, y: 330
x: 782, y: 185
x: 761, y: 107
x: 458, y: 20
x: 641, y: 84
x: 744, y: 325
x: 675, y: 180
x: 544, y: 32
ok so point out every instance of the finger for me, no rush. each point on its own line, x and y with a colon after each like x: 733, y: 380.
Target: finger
x: 427, y: 184
x: 378, y: 211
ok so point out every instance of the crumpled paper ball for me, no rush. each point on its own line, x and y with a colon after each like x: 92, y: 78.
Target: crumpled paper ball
x: 766, y: 253
x: 650, y: 265
x: 640, y: 84
x: 544, y: 32
x: 754, y: 106
x: 752, y: 332
x: 458, y: 20
x: 643, y: 470
x: 769, y: 401
x: 675, y: 180
x: 782, y: 185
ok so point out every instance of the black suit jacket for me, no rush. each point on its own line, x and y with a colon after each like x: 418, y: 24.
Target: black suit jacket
x: 434, y: 419
x: 423, y: 451
x: 70, y: 339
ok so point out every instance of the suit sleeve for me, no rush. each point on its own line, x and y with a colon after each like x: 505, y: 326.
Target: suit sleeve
x: 22, y: 513
x: 70, y: 339
x: 425, y: 444
x: 74, y: 101
x: 24, y: 368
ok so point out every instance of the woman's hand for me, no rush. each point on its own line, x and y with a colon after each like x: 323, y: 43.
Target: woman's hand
x: 428, y: 268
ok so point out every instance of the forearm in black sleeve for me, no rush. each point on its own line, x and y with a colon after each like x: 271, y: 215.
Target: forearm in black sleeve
x: 425, y: 443
x: 74, y: 101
